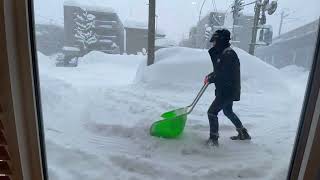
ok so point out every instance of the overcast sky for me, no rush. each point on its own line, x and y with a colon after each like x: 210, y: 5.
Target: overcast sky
x: 175, y: 17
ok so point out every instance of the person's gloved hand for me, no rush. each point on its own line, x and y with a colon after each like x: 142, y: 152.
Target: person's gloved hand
x: 209, y: 78
x: 206, y: 80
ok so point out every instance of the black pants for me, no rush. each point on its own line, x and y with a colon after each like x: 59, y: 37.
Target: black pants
x: 217, y: 105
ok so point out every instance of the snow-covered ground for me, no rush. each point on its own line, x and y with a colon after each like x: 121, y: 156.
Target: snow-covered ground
x: 97, y: 118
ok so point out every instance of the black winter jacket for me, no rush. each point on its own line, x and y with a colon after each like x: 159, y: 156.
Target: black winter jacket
x: 226, y: 74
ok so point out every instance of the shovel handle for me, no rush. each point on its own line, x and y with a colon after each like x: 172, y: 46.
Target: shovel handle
x: 195, y: 101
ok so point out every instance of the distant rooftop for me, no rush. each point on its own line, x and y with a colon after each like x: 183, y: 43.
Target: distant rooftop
x: 311, y: 27
x: 134, y: 24
x: 89, y: 7
x: 165, y: 42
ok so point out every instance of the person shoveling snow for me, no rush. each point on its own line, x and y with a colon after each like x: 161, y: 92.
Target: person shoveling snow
x: 226, y: 77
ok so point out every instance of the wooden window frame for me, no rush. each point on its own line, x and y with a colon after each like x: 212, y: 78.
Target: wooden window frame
x: 19, y: 89
x: 20, y: 93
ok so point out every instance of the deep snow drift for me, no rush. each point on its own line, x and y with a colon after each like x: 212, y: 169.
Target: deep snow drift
x: 97, y: 115
x: 188, y: 67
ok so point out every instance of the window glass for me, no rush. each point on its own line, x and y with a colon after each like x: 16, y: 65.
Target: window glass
x: 231, y: 76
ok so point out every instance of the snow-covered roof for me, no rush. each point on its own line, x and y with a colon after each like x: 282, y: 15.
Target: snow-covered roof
x: 165, y: 42
x: 89, y: 7
x: 135, y: 24
x: 284, y: 39
x: 140, y: 25
x: 160, y: 31
x: 69, y: 48
x: 106, y: 26
x: 108, y: 41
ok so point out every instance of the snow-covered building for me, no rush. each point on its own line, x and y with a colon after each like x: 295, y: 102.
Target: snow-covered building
x: 137, y: 36
x: 295, y: 47
x: 197, y: 34
x: 200, y: 34
x: 92, y: 28
x: 243, y: 31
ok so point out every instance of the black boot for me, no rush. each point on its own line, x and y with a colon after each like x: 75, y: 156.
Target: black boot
x: 242, y: 135
x: 213, y: 141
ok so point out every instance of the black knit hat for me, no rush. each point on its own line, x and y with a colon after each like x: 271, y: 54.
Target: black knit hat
x: 222, y: 34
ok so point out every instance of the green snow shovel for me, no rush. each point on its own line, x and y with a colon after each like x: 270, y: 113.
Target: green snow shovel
x: 173, y: 122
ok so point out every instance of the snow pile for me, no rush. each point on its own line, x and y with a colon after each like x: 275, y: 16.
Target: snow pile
x: 189, y: 66
x: 94, y: 68
x: 165, y: 42
x: 175, y: 66
x: 259, y: 76
x: 295, y: 73
x: 44, y: 62
x: 296, y: 78
x: 68, y: 48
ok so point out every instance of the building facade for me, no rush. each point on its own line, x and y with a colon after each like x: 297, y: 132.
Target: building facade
x: 92, y: 28
x: 295, y: 47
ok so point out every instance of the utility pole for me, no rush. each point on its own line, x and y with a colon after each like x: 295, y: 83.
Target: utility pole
x: 151, y: 31
x: 156, y: 24
x: 260, y: 9
x: 236, y: 8
x: 283, y: 15
x: 204, y: 1
x: 257, y: 10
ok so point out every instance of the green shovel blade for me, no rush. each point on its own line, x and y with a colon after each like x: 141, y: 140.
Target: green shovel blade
x: 172, y: 124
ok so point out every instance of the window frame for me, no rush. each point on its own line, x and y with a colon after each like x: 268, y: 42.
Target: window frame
x: 309, y: 119
x: 19, y: 92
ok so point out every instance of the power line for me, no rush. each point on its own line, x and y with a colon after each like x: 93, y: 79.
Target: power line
x: 213, y: 2
x: 214, y: 5
x: 283, y: 15
x: 225, y: 14
x: 204, y: 1
x: 227, y: 11
x: 285, y: 19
